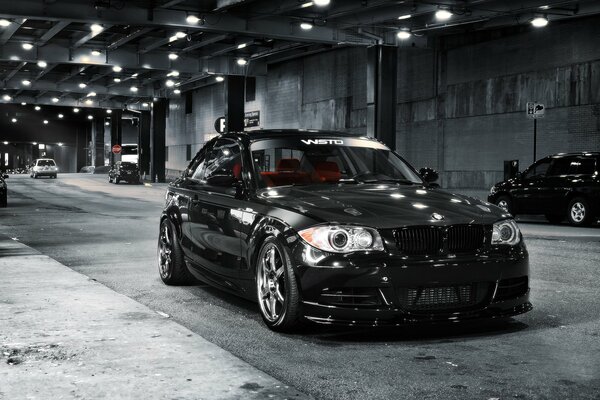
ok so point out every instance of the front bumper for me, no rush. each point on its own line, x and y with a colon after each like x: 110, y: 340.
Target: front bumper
x: 386, y: 289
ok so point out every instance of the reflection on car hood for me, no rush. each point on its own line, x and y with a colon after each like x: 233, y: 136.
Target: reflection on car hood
x: 382, y: 205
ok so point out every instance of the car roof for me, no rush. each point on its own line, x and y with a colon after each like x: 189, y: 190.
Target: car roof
x: 278, y: 133
x: 44, y: 159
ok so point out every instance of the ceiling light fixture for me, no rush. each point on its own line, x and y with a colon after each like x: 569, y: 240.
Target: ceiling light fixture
x: 133, y: 89
x: 60, y: 116
x: 307, y: 26
x: 55, y: 100
x: 34, y: 143
x: 117, y: 80
x: 75, y: 110
x: 14, y: 120
x: 242, y: 61
x: 90, y: 117
x: 404, y: 34
x: 109, y: 111
x: 242, y: 45
x: 89, y: 102
x: 91, y: 94
x: 45, y: 122
x: 321, y: 3
x: 192, y: 19
x: 7, y: 97
x: 443, y: 15
x: 117, y: 68
x: 180, y: 35
x: 5, y: 142
x: 107, y: 123
x: 23, y: 104
x: 37, y: 108
x: 170, y: 83
x: 42, y: 64
x: 4, y: 22
x: 96, y: 53
x: 173, y: 56
x: 405, y: 16
x: 177, y: 91
x: 27, y: 46
x: 96, y: 28
x: 26, y: 82
x: 145, y: 104
x: 219, y: 78
x: 60, y: 144
x: 82, y: 85
x: 539, y: 22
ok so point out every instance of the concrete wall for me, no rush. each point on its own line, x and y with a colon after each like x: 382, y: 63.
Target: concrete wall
x: 461, y: 102
x: 462, y: 109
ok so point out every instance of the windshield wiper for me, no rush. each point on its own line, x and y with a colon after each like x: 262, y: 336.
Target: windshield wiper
x: 394, y: 180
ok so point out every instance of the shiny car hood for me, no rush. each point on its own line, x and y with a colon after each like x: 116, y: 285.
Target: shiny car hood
x: 381, y: 205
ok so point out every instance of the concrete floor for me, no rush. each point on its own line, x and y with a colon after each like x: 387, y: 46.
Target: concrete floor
x: 108, y: 233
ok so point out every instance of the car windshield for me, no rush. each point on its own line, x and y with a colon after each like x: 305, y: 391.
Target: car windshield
x: 307, y: 161
x: 45, y: 163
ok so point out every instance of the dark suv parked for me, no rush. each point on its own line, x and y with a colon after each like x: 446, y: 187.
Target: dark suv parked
x: 565, y: 185
x: 124, y: 171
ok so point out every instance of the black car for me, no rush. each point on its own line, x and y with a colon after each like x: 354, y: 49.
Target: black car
x: 337, y: 229
x: 3, y: 190
x: 562, y: 186
x: 124, y: 171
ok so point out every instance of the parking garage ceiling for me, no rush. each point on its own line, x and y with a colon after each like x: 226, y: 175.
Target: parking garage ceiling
x: 109, y: 53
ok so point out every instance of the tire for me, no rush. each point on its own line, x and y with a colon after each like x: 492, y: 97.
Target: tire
x: 34, y: 176
x: 4, y: 201
x: 171, y: 266
x: 505, y: 202
x: 117, y: 180
x: 109, y: 179
x: 579, y: 212
x: 554, y: 218
x: 276, y: 288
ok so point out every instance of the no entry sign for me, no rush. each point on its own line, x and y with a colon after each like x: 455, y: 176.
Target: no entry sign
x: 116, y: 149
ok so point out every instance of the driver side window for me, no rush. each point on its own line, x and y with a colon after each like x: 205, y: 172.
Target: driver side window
x: 538, y: 170
x: 224, y: 160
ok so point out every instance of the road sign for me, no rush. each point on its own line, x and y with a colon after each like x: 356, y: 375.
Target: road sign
x: 535, y: 110
x: 220, y: 125
x: 116, y: 149
x: 251, y: 119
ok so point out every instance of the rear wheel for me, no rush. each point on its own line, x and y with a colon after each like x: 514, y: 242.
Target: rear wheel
x: 171, y: 266
x: 117, y: 180
x: 579, y: 212
x: 505, y: 203
x: 4, y: 200
x: 276, y: 287
x: 109, y: 179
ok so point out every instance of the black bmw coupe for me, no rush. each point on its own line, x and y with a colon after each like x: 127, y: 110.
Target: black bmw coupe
x: 337, y: 229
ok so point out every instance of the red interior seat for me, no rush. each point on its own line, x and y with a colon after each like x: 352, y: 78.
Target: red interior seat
x: 327, y: 171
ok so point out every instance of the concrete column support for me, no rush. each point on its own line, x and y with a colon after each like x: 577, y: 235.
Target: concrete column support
x: 381, y: 93
x: 144, y: 143
x: 157, y: 140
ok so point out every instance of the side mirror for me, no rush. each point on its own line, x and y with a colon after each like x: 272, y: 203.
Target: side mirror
x: 224, y: 180
x: 429, y: 175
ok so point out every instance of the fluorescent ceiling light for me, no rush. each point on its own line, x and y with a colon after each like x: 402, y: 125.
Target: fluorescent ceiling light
x: 55, y: 100
x: 242, y: 45
x: 219, y: 79
x: 26, y: 82
x: 60, y: 116
x: 42, y: 64
x: 82, y: 85
x: 192, y: 19
x: 117, y: 68
x: 117, y: 80
x: 45, y: 122
x: 242, y: 61
x: 133, y: 89
x: 96, y: 28
x: 91, y: 94
x: 7, y: 97
x: 27, y: 46
x: 443, y: 14
x: 76, y: 110
x: 180, y: 35
x: 176, y: 91
x: 539, y: 22
x: 307, y: 26
x: 90, y: 117
x: 321, y: 3
x: 173, y: 56
x: 14, y: 120
x: 37, y: 108
x: 403, y: 35
x: 170, y: 83
x: 4, y: 22
x: 89, y: 102
x: 96, y: 53
x: 405, y: 16
x: 109, y: 111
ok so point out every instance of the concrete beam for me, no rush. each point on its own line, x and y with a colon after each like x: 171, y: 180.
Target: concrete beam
x: 70, y: 102
x: 10, y: 30
x: 67, y: 87
x: 131, y: 14
x: 50, y: 33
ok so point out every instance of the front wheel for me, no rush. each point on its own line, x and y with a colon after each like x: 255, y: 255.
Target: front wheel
x: 171, y: 266
x: 579, y: 212
x: 276, y: 287
x: 505, y: 203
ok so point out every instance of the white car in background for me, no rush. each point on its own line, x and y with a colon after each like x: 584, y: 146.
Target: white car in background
x: 43, y: 167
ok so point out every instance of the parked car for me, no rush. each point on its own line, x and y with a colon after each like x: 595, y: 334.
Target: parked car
x: 337, y: 229
x: 3, y: 190
x: 561, y: 186
x: 43, y: 167
x: 124, y: 171
x: 88, y: 169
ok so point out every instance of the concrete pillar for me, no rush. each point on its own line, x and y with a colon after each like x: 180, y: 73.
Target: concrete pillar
x: 381, y: 93
x: 144, y: 143
x: 81, y: 144
x: 98, y: 142
x: 157, y: 140
x: 116, y: 131
x: 234, y: 103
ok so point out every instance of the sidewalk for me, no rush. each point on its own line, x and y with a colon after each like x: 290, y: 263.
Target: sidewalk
x: 63, y: 335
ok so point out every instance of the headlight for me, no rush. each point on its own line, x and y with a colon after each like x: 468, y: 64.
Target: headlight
x: 493, y: 190
x: 506, y: 232
x: 342, y: 238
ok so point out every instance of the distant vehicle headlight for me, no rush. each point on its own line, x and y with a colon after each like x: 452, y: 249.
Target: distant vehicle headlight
x: 342, y: 238
x: 493, y: 190
x: 506, y: 232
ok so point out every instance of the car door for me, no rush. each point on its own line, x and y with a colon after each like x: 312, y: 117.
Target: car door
x: 214, y: 214
x: 557, y: 184
x: 526, y: 190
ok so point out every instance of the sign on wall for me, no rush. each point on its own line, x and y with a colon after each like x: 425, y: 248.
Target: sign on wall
x: 251, y: 119
x: 535, y: 110
x: 221, y: 125
x: 116, y: 149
